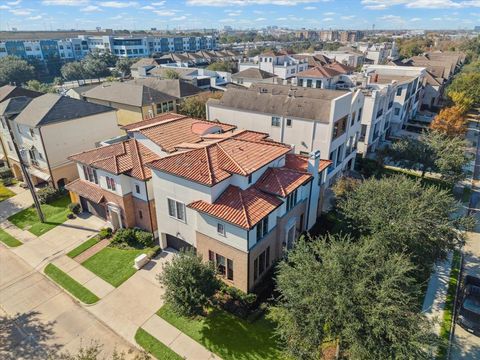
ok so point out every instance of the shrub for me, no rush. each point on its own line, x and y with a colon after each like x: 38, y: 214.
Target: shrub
x: 70, y: 216
x: 135, y: 238
x: 153, y: 251
x: 7, y: 181
x: 105, y: 233
x: 144, y: 238
x: 5, y: 173
x: 48, y: 194
x: 74, y: 208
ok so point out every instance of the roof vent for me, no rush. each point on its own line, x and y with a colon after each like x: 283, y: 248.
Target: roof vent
x: 203, y: 128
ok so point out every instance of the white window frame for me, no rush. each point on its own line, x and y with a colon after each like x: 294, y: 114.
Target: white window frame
x: 175, y: 216
x: 289, y: 121
x: 274, y: 121
x: 221, y: 229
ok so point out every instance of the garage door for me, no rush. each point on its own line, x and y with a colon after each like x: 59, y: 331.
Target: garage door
x: 95, y: 209
x: 177, y: 243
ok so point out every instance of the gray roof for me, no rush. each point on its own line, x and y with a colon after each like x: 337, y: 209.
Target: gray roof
x: 14, y: 105
x: 128, y: 93
x: 9, y: 91
x: 282, y: 100
x: 176, y: 87
x: 81, y: 89
x: 52, y: 108
x: 253, y: 73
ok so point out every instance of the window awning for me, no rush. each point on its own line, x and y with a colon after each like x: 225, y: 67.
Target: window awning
x: 39, y: 174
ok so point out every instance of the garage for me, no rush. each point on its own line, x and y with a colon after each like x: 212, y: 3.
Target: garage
x: 177, y: 243
x: 94, y: 209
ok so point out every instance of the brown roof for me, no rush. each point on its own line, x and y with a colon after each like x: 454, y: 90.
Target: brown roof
x: 216, y: 161
x: 86, y: 189
x: 319, y: 72
x: 300, y: 163
x: 282, y: 181
x: 127, y: 157
x: 169, y: 130
x: 144, y: 62
x: 254, y: 73
x: 173, y: 87
x: 244, y: 208
x: 341, y: 68
x: 9, y: 91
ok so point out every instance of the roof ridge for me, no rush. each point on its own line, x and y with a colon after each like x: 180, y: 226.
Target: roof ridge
x: 139, y: 157
x: 209, y: 165
x: 228, y: 155
x: 274, y: 172
x: 51, y: 107
x: 244, y: 210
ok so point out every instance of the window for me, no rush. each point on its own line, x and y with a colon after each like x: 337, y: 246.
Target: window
x: 339, y: 127
x: 396, y: 111
x: 291, y: 200
x: 261, y: 263
x: 300, y: 82
x: 32, y: 133
x: 250, y: 178
x: 352, y: 121
x: 111, y: 183
x: 340, y: 154
x: 224, y: 266
x: 318, y: 84
x: 90, y: 174
x: 275, y: 121
x: 262, y: 228
x: 255, y: 269
x: 137, y: 188
x: 176, y: 209
x: 399, y: 91
x: 221, y: 264
x: 221, y: 229
x: 309, y: 83
x: 230, y: 269
x: 359, y: 114
x: 289, y: 122
x: 140, y: 214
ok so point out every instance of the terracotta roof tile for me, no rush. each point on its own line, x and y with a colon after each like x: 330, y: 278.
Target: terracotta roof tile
x: 282, y: 181
x: 300, y: 163
x: 319, y: 72
x: 86, y: 189
x: 244, y: 208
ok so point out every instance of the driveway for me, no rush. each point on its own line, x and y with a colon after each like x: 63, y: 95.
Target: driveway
x: 130, y: 305
x: 37, y: 318
x: 15, y: 204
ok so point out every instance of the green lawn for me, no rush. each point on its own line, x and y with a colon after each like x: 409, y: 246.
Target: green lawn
x: 69, y: 284
x: 155, y: 347
x: 55, y: 214
x: 113, y: 265
x: 227, y: 335
x: 448, y: 310
x: 5, y: 192
x: 8, y: 239
x: 82, y: 247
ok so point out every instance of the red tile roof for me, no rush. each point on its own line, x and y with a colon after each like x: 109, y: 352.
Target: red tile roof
x: 300, y: 163
x: 216, y: 162
x: 86, y: 189
x: 282, y: 181
x: 244, y: 208
x: 171, y: 129
x: 319, y: 72
x: 344, y: 69
x: 127, y: 157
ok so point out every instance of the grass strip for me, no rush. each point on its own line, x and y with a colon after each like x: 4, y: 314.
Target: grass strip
x: 82, y: 247
x: 71, y: 285
x: 8, y: 239
x: 155, y: 347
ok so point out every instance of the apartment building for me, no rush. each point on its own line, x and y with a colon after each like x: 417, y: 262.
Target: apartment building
x: 329, y: 76
x: 347, y: 57
x: 377, y: 54
x: 114, y: 182
x: 280, y: 63
x: 239, y: 199
x: 408, y: 83
x: 48, y: 128
x: 308, y: 118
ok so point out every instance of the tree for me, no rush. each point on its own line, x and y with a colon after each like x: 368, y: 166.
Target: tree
x: 124, y: 64
x: 41, y: 87
x: 93, y: 351
x: 15, y: 70
x: 95, y: 67
x: 467, y: 83
x: 227, y: 66
x: 433, y: 151
x: 405, y: 216
x: 450, y: 121
x: 73, y: 71
x: 171, y: 74
x: 354, y: 292
x: 195, y: 106
x: 189, y: 283
x: 462, y: 100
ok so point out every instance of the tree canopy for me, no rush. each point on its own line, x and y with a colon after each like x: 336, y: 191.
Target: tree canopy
x: 41, y: 87
x: 124, y: 64
x: 194, y: 106
x: 467, y: 83
x: 171, y: 74
x: 450, y: 120
x: 228, y: 66
x: 355, y: 292
x: 15, y: 70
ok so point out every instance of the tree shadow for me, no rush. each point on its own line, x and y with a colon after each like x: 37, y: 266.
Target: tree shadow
x: 25, y: 336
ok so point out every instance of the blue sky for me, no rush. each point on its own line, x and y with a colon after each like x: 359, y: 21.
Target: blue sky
x: 241, y: 14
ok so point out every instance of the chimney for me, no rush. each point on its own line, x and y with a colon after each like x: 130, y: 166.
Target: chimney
x: 313, y: 163
x: 375, y: 78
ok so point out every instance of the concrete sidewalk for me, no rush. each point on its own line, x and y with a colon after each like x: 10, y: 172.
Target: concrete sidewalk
x: 22, y: 235
x: 15, y: 204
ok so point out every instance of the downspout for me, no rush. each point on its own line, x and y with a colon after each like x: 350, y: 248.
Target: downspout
x: 149, y: 210
x: 248, y: 262
x: 46, y: 156
x: 308, y: 208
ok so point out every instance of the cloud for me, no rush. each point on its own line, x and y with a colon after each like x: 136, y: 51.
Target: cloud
x: 179, y: 18
x: 282, y: 19
x: 415, y: 19
x: 14, y: 3
x: 347, y: 17
x: 420, y: 4
x: 248, y: 2
x: 310, y: 8
x: 327, y: 19
x: 147, y: 7
x: 4, y: 7
x: 260, y: 19
x: 38, y: 17
x: 118, y: 4
x: 21, y: 12
x: 65, y: 2
x: 165, y: 12
x: 90, y: 8
x: 394, y: 19
x: 158, y: 3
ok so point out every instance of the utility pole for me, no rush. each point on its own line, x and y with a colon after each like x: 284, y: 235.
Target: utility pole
x: 25, y: 173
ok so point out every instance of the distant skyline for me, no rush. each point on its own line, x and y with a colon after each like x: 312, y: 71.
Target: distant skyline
x: 240, y: 14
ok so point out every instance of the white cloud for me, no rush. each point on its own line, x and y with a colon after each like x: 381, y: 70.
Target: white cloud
x: 327, y: 19
x: 393, y: 19
x: 158, y: 3
x: 21, y: 12
x: 38, y: 17
x: 420, y: 4
x: 347, y: 17
x: 91, y: 8
x: 65, y: 2
x: 14, y: 3
x: 260, y: 19
x: 249, y: 2
x: 180, y: 18
x: 415, y: 19
x: 282, y: 19
x: 310, y: 8
x: 330, y: 13
x: 4, y: 7
x: 165, y: 12
x: 118, y: 4
x: 147, y: 7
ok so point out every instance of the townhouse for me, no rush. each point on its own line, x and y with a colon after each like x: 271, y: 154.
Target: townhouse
x: 308, y: 118
x: 280, y: 63
x: 408, y: 83
x: 142, y: 98
x: 251, y: 76
x: 47, y: 129
x: 239, y: 199
x: 329, y: 76
x: 114, y: 182
x: 349, y: 57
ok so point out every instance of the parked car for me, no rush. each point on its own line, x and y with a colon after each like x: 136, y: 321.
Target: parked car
x: 469, y: 305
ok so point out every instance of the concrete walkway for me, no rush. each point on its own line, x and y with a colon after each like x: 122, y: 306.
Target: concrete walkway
x: 22, y: 235
x: 434, y: 301
x: 82, y: 275
x: 15, y: 204
x: 183, y: 345
x: 102, y: 244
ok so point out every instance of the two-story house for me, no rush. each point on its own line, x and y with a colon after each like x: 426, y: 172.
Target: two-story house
x: 239, y: 199
x: 50, y: 127
x: 114, y: 182
x: 308, y: 118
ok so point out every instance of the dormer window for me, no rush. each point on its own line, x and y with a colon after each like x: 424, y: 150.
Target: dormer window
x: 262, y: 228
x: 250, y: 178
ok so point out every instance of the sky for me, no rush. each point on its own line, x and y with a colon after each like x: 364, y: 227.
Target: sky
x: 240, y: 14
